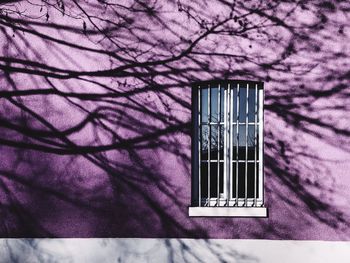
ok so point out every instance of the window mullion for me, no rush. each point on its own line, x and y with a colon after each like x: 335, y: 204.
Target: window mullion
x: 237, y: 144
x: 209, y: 140
x: 261, y: 144
x: 246, y: 148
x: 218, y: 144
x: 199, y: 146
x: 231, y: 143
x: 225, y: 141
x: 255, y: 140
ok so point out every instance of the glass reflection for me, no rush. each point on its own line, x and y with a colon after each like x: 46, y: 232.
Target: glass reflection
x: 204, y: 104
x: 214, y: 92
x: 251, y: 104
x: 242, y: 104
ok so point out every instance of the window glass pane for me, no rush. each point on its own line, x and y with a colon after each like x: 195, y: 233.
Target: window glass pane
x: 242, y: 103
x: 235, y: 139
x: 257, y: 179
x: 234, y: 178
x: 257, y: 142
x: 250, y: 180
x: 252, y: 171
x: 222, y: 102
x: 221, y: 142
x: 257, y: 103
x: 251, y: 135
x: 242, y: 142
x: 204, y: 142
x: 204, y: 104
x: 221, y: 178
x: 251, y: 143
x: 234, y: 101
x: 214, y: 179
x: 241, y: 180
x: 251, y: 104
x: 204, y: 180
x: 214, y: 142
x: 214, y: 104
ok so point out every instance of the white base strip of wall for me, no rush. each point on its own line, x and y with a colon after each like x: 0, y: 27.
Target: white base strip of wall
x: 172, y: 250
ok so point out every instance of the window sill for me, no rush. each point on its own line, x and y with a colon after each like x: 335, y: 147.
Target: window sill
x: 227, y: 211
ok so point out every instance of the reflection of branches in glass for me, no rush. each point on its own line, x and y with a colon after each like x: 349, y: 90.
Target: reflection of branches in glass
x: 252, y: 136
x: 95, y: 111
x: 216, y: 140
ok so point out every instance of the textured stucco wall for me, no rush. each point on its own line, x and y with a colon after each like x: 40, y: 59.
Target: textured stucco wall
x: 95, y: 128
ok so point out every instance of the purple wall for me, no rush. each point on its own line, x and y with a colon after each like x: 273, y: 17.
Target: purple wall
x: 95, y: 115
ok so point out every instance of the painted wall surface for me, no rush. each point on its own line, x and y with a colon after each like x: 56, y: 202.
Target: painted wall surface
x: 95, y: 115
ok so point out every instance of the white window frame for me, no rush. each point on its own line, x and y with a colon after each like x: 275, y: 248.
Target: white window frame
x: 225, y: 204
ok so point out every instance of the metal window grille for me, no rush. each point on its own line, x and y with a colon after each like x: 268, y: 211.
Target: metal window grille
x: 228, y: 144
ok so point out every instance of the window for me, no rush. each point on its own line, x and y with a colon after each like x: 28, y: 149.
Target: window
x: 227, y: 147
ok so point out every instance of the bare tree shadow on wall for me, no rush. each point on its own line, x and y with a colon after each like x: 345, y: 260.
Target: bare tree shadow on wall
x: 95, y: 112
x: 30, y: 250
x: 120, y: 250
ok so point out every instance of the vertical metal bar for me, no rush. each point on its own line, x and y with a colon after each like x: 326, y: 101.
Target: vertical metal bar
x: 225, y: 141
x: 228, y: 159
x: 209, y: 140
x: 218, y: 145
x: 255, y: 140
x: 246, y: 148
x: 237, y: 147
x: 261, y: 144
x: 231, y: 141
x: 199, y: 147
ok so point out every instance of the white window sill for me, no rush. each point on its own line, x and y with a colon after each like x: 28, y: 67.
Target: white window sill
x: 227, y: 211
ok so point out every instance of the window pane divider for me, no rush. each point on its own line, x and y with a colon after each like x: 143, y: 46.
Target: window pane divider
x: 218, y: 143
x: 199, y: 146
x: 246, y: 146
x: 209, y: 139
x: 255, y: 140
x: 225, y: 145
x: 261, y: 146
